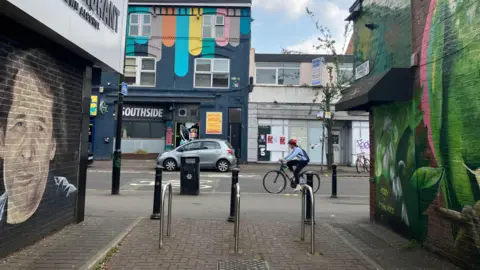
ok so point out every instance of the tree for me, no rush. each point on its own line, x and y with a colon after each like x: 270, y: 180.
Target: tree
x: 337, y: 80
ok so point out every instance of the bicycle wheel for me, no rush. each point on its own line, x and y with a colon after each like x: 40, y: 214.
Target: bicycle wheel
x: 316, y: 181
x: 367, y: 165
x: 358, y: 164
x: 277, y: 179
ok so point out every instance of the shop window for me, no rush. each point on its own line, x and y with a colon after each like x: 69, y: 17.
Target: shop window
x: 140, y: 24
x: 213, y: 26
x: 143, y: 130
x: 277, y: 74
x: 211, y: 73
x: 140, y: 71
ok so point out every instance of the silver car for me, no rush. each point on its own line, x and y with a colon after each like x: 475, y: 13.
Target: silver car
x: 214, y: 154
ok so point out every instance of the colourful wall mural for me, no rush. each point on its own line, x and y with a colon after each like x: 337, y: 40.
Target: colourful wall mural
x: 180, y: 28
x: 427, y: 165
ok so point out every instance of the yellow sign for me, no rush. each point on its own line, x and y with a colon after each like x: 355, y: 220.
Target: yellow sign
x: 93, y: 105
x: 214, y: 123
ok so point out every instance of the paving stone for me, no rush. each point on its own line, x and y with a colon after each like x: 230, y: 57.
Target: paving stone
x: 69, y: 248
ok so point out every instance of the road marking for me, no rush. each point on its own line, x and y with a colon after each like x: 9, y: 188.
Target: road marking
x: 175, y: 183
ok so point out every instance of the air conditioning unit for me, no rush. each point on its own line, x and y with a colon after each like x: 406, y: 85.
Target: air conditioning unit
x: 182, y: 112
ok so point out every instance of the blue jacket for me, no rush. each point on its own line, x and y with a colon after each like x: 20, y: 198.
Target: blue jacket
x: 297, y: 153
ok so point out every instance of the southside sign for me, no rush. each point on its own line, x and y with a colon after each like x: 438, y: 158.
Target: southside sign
x: 143, y: 112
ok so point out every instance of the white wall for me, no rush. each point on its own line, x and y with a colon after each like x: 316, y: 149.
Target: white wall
x: 104, y: 44
x: 360, y: 138
x: 281, y: 94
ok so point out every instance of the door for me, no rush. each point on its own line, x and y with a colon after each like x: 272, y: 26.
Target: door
x: 235, y: 130
x: 209, y: 153
x: 337, y: 147
x: 192, y: 149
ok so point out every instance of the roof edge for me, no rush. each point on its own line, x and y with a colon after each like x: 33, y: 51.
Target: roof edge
x: 186, y: 4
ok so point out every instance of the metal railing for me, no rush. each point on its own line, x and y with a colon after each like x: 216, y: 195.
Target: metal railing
x: 237, y: 217
x: 312, y: 210
x: 162, y: 210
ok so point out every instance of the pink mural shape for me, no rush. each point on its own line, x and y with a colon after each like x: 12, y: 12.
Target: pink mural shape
x: 223, y: 41
x: 425, y: 105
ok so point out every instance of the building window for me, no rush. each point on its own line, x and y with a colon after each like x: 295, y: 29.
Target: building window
x: 140, y: 24
x: 213, y: 26
x: 346, y: 74
x: 211, y: 73
x: 277, y: 74
x: 140, y: 71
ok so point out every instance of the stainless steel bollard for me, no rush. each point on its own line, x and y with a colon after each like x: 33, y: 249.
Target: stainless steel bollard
x: 169, y: 213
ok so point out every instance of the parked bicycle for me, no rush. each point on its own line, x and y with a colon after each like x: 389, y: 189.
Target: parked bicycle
x: 279, y: 179
x: 362, y: 163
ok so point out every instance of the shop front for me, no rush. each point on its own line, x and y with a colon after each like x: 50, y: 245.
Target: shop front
x: 144, y: 129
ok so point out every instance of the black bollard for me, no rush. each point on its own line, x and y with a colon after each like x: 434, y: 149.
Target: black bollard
x: 308, y: 214
x: 233, y: 201
x: 334, y: 181
x: 157, y: 193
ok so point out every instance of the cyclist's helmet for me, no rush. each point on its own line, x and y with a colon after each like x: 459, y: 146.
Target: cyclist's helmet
x: 292, y: 142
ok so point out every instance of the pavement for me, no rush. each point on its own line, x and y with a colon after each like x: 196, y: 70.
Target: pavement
x: 118, y: 234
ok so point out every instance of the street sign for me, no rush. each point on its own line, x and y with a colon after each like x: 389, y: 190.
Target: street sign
x: 317, y: 70
x: 124, y: 89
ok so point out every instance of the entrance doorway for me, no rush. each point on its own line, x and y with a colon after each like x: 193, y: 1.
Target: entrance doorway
x: 235, y: 130
x: 336, y: 147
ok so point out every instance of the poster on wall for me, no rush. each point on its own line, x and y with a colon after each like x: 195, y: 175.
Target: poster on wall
x: 213, y: 125
x: 277, y: 143
x: 169, y: 133
x: 263, y: 154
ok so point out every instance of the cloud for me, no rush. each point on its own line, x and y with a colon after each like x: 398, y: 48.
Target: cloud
x: 331, y: 16
x: 294, y: 8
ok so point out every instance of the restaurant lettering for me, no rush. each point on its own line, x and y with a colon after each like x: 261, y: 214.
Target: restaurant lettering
x: 105, y: 10
x: 143, y: 112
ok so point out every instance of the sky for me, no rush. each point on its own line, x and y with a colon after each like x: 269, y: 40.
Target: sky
x: 284, y: 24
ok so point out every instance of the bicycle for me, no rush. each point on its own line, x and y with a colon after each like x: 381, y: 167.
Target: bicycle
x: 281, y: 177
x: 362, y: 163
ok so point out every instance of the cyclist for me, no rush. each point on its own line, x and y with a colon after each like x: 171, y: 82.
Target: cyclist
x: 299, y: 163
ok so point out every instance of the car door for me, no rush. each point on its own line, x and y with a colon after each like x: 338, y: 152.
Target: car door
x: 209, y: 154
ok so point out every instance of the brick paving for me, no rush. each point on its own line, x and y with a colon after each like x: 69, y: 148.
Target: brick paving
x: 70, y: 248
x: 201, y: 243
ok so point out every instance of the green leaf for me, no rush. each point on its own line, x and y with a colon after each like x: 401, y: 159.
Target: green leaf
x: 427, y: 180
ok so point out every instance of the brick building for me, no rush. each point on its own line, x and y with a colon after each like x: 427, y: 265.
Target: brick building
x: 417, y: 66
x: 50, y: 52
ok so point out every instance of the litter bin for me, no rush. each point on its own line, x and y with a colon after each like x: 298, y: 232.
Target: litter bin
x: 190, y: 175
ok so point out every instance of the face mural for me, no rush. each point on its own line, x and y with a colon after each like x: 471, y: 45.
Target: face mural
x: 31, y: 127
x: 429, y: 149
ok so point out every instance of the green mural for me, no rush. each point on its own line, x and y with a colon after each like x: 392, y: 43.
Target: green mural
x: 429, y: 148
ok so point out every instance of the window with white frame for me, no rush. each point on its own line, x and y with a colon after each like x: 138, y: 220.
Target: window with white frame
x: 140, y: 24
x: 213, y: 26
x: 277, y: 73
x: 140, y: 71
x: 212, y: 73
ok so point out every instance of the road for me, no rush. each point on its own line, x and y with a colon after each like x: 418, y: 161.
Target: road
x: 214, y: 182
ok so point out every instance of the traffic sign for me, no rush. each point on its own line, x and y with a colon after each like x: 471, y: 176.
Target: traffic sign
x: 124, y: 89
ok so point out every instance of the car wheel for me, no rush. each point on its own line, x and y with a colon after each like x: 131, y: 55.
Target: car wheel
x: 223, y: 165
x: 170, y: 164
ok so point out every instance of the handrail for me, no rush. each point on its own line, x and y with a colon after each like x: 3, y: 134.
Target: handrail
x: 169, y: 213
x: 312, y: 210
x: 237, y: 217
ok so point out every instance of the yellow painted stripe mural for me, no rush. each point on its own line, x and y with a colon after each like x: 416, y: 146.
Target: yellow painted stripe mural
x: 195, y: 34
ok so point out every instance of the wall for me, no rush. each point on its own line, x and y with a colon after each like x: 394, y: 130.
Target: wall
x: 427, y: 160
x: 40, y: 120
x: 286, y: 94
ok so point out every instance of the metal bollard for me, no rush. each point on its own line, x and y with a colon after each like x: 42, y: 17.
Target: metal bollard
x: 157, y: 203
x: 334, y: 181
x: 233, y: 199
x: 308, y: 219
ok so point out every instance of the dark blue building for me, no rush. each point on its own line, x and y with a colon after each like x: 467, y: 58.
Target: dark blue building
x: 187, y: 67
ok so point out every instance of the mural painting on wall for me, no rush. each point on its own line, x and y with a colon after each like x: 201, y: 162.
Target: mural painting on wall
x: 427, y: 149
x: 181, y: 29
x: 32, y: 136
